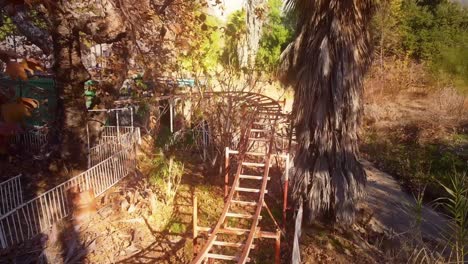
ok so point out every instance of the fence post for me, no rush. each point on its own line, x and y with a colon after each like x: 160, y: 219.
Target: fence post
x: 226, y: 175
x: 2, y: 237
x: 171, y: 113
x: 118, y: 128
x: 89, y: 154
x: 131, y: 117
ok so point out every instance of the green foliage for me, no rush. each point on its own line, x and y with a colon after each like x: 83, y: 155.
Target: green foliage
x: 171, y: 142
x: 212, y: 199
x: 235, y: 31
x: 164, y: 138
x: 211, y: 46
x: 206, y: 51
x: 159, y: 170
x: 452, y: 64
x: 166, y: 175
x: 386, y: 27
x: 416, y: 165
x: 7, y: 27
x: 432, y: 32
x: 277, y: 33
x: 456, y: 204
x: 38, y: 19
x: 177, y: 228
x: 435, y: 32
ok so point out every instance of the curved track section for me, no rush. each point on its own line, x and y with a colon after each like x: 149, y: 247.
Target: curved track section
x: 245, y: 199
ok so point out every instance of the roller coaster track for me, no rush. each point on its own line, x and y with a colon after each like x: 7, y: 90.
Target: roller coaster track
x: 258, y: 132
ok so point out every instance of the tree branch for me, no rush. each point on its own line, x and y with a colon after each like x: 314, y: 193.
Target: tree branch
x: 7, y: 55
x: 38, y: 36
x: 166, y: 4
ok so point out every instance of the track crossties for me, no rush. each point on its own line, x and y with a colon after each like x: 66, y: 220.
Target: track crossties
x: 234, y: 235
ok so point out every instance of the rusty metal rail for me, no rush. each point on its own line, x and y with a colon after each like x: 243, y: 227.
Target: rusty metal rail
x: 254, y: 157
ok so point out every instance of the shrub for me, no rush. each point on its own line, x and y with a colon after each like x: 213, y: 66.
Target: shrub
x: 166, y: 176
x: 456, y: 204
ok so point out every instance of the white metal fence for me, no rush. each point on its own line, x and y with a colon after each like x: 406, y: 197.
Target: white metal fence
x: 32, y: 140
x: 111, y: 142
x: 39, y: 214
x: 11, y: 194
x: 111, y: 132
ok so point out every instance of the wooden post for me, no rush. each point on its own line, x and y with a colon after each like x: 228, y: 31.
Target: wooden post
x: 226, y: 174
x: 285, y: 194
x: 278, y: 247
x: 171, y: 113
x: 195, y: 228
x: 204, y: 139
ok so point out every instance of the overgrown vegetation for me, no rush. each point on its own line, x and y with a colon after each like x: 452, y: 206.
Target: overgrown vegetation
x: 415, y: 164
x: 456, y: 205
x: 277, y: 33
x: 165, y: 176
x: 421, y: 54
x: 434, y: 33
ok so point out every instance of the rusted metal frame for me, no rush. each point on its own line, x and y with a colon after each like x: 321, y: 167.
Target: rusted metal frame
x: 285, y: 185
x: 204, y: 251
x: 226, y: 173
x: 273, y: 218
x: 254, y: 102
x: 202, y: 256
x: 285, y: 191
x: 253, y: 229
x: 276, y: 155
x: 278, y: 247
x: 239, y: 231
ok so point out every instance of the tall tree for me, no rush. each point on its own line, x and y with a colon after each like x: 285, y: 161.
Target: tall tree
x: 326, y: 64
x: 69, y: 69
x: 249, y: 44
x: 276, y: 34
x: 133, y: 27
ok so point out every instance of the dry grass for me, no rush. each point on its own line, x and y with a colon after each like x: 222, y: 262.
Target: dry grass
x: 403, y: 93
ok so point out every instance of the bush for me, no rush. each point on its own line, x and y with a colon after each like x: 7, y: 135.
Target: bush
x: 166, y: 175
x: 456, y: 204
x: 416, y: 165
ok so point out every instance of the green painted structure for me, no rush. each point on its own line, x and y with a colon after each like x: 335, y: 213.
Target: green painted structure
x: 42, y: 89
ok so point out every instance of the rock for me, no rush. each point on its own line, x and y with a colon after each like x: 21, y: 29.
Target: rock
x: 53, y: 167
x: 106, y: 211
x: 131, y: 209
x: 83, y: 204
x: 124, y: 205
x: 329, y: 246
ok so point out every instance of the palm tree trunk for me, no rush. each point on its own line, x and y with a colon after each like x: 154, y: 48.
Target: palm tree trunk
x: 327, y: 64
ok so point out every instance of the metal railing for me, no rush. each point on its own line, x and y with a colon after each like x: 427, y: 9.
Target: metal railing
x: 11, y: 194
x: 110, y: 133
x: 112, y: 144
x: 32, y: 140
x: 39, y: 214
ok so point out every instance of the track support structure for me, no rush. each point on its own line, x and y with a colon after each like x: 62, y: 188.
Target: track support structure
x: 244, y: 193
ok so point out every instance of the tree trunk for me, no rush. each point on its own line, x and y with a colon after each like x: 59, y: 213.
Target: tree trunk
x: 25, y: 26
x: 71, y: 75
x: 248, y: 45
x: 327, y: 65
